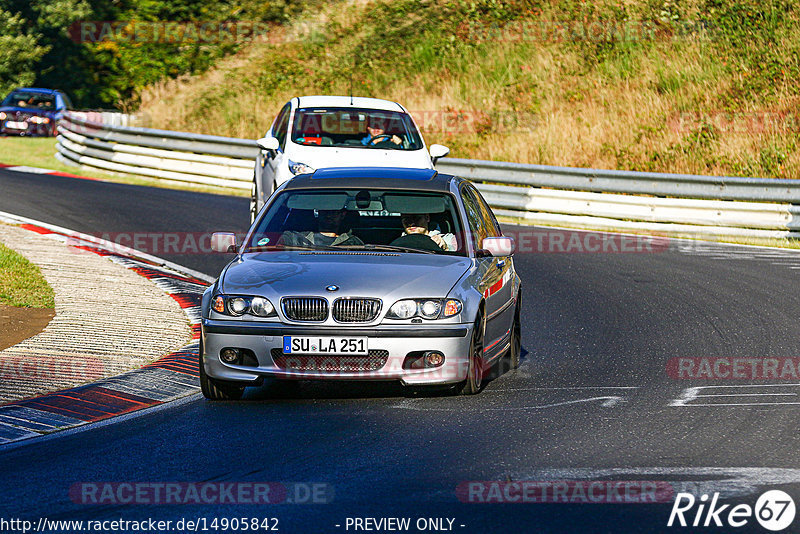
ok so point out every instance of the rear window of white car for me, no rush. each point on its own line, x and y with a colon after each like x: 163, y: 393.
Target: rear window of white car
x: 355, y: 128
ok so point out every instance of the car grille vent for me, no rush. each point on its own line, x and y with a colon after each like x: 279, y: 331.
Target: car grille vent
x: 331, y: 363
x: 356, y: 310
x: 305, y: 308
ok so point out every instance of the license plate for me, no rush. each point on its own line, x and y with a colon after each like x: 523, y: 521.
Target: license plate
x: 325, y: 345
x: 17, y: 125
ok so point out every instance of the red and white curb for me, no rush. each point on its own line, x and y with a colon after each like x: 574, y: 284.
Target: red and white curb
x: 172, y: 376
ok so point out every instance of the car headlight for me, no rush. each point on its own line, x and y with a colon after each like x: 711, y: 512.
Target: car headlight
x: 237, y: 306
x: 425, y: 308
x: 2, y: 116
x: 300, y: 168
x: 261, y: 307
x: 39, y: 120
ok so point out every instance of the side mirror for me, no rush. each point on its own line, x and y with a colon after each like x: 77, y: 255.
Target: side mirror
x: 438, y: 151
x: 223, y: 242
x: 268, y: 143
x: 499, y: 246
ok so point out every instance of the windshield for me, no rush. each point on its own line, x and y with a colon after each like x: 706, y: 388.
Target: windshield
x: 355, y: 128
x: 30, y: 99
x: 360, y: 219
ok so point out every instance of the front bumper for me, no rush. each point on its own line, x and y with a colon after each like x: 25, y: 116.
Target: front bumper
x: 31, y: 129
x: 452, y: 340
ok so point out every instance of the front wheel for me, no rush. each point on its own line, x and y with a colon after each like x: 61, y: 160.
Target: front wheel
x: 215, y: 389
x: 472, y: 384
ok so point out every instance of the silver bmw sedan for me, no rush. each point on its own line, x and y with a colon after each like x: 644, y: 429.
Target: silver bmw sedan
x: 364, y: 274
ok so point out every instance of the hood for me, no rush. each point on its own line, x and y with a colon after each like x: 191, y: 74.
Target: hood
x: 320, y: 157
x: 381, y: 275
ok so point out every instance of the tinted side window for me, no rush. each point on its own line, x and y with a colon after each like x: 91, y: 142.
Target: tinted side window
x: 477, y: 229
x: 66, y: 100
x: 492, y: 227
x: 280, y: 127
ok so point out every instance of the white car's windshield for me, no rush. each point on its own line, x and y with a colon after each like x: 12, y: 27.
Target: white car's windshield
x: 403, y: 221
x: 355, y: 128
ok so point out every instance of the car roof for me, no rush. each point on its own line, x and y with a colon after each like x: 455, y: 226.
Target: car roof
x: 346, y: 102
x: 373, y: 178
x: 37, y: 90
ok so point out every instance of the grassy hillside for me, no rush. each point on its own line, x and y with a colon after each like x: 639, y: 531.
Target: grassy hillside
x: 697, y: 86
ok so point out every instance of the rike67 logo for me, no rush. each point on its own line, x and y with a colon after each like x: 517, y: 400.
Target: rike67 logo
x: 774, y: 510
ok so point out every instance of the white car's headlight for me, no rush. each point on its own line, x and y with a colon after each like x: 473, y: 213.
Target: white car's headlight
x: 2, y: 116
x: 300, y: 168
x: 425, y: 308
x: 237, y: 306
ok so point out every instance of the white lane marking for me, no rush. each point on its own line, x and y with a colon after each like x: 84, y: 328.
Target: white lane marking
x: 689, y: 395
x: 559, y: 388
x: 31, y: 170
x: 749, y: 395
x: 606, y: 401
x: 730, y: 482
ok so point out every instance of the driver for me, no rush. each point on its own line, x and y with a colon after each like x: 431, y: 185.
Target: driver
x: 376, y: 135
x: 329, y: 232
x: 419, y: 223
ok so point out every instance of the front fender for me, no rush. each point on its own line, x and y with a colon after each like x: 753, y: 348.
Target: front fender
x: 466, y: 290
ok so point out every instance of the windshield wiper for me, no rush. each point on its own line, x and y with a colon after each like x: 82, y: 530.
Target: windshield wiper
x: 392, y: 248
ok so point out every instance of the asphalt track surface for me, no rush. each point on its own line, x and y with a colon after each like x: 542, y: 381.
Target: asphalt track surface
x: 591, y: 401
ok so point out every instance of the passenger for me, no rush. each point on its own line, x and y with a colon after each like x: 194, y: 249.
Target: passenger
x: 419, y: 223
x: 329, y: 234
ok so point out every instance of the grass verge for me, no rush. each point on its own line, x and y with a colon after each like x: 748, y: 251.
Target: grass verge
x: 21, y: 282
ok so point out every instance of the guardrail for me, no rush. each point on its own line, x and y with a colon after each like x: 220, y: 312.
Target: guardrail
x: 657, y: 202
x: 186, y: 157
x: 604, y: 199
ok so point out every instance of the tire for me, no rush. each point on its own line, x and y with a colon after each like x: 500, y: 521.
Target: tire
x: 515, y: 351
x: 215, y: 389
x: 475, y: 371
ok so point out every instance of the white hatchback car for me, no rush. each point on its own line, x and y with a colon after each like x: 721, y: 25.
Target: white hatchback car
x: 315, y: 132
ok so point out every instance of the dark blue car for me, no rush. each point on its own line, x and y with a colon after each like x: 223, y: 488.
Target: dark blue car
x: 32, y: 111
